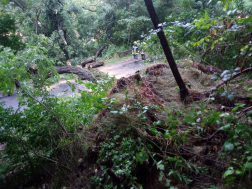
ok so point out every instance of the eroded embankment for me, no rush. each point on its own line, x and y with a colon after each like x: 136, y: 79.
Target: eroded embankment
x: 147, y: 137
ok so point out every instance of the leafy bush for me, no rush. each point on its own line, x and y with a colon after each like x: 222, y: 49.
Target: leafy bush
x: 8, y: 36
x: 212, y: 36
x: 46, y: 132
x: 110, y: 51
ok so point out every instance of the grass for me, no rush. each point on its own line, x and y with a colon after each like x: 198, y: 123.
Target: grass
x: 117, y: 59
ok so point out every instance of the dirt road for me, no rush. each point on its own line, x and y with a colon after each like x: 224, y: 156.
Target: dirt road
x: 58, y: 89
x: 121, y: 69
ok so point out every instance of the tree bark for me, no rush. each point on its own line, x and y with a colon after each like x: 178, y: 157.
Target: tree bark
x: 36, y: 22
x: 82, y: 73
x: 94, y: 65
x: 99, y: 51
x: 61, y: 32
x: 88, y: 60
x: 62, y: 35
x: 129, y: 28
x: 123, y: 52
x: 183, y: 90
x: 20, y: 4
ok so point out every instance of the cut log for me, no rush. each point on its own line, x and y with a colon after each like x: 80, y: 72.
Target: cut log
x: 123, y: 53
x: 82, y: 73
x: 94, y: 65
x: 88, y: 60
x: 68, y: 63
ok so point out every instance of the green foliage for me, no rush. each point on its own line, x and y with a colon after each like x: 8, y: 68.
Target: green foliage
x: 47, y: 131
x: 47, y: 128
x: 124, y: 152
x: 8, y: 36
x: 110, y: 51
x: 15, y: 67
x: 207, y: 38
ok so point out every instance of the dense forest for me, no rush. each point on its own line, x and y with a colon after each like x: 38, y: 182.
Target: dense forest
x: 184, y: 120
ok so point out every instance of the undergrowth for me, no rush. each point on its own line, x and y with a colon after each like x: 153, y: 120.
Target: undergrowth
x: 199, y: 145
x: 116, y: 59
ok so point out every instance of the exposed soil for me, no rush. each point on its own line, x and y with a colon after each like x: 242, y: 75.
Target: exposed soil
x: 158, y: 88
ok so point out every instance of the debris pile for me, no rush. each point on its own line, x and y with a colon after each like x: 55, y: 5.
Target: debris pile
x: 173, y: 143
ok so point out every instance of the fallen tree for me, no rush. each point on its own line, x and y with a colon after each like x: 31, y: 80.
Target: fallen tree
x: 82, y: 73
x: 94, y: 65
x: 123, y: 53
x: 88, y: 60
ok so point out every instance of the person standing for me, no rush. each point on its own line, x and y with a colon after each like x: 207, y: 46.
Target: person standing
x: 143, y: 50
x: 8, y: 93
x: 135, y: 51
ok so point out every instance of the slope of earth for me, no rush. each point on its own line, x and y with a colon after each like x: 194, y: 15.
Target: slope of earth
x: 148, y: 138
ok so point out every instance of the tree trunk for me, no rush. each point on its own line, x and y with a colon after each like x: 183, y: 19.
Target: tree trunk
x: 99, y: 51
x: 183, y: 90
x: 123, y: 53
x: 129, y: 29
x: 62, y: 33
x: 88, y: 60
x: 94, y: 65
x: 82, y: 73
x: 36, y: 22
x: 20, y: 4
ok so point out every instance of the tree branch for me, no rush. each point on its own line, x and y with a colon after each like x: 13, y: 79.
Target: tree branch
x: 20, y: 4
x: 17, y: 83
x: 88, y: 9
x: 61, y: 32
x: 60, y: 2
x: 235, y: 76
x: 91, y: 6
x: 36, y: 22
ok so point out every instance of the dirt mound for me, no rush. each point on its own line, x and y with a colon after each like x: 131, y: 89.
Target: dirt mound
x: 156, y: 69
x: 145, y: 124
x: 163, y: 83
x: 134, y: 84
